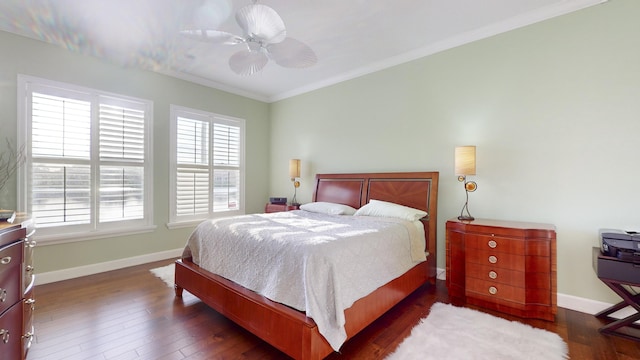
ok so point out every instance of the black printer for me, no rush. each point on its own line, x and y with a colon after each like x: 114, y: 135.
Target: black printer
x: 624, y: 245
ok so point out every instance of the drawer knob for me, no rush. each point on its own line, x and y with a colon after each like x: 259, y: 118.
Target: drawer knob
x: 5, y: 260
x: 29, y: 268
x: 31, y: 302
x: 493, y: 274
x: 3, y: 295
x: 29, y: 338
x: 5, y: 335
x: 493, y: 259
x: 492, y: 244
x: 493, y: 290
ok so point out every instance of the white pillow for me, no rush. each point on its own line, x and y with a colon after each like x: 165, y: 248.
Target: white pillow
x: 328, y: 208
x: 387, y: 209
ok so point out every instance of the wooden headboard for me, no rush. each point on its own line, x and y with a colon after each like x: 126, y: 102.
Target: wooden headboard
x: 414, y: 189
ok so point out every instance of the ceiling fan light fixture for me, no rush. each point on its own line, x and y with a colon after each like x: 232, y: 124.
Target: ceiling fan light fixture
x: 255, y: 45
x: 247, y: 62
x: 265, y: 38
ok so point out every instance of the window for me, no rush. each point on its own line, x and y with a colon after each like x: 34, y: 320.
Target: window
x: 207, y: 165
x: 88, y: 171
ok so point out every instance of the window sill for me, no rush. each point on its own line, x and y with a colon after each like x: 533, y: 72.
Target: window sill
x: 183, y: 224
x: 177, y: 224
x: 52, y: 239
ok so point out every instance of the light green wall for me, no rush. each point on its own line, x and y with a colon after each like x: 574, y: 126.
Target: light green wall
x: 554, y: 109
x: 19, y: 55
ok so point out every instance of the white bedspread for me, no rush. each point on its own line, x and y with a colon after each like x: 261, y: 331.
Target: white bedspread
x: 317, y: 263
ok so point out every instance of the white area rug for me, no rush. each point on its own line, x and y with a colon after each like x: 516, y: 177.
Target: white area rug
x: 457, y: 333
x: 166, y: 273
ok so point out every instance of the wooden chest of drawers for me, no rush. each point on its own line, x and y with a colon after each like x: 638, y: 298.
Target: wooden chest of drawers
x: 16, y: 290
x: 504, y: 266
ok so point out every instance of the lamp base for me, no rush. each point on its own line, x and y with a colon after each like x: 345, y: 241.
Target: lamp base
x: 466, y: 218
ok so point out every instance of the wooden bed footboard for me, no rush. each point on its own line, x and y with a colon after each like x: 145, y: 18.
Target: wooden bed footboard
x: 287, y: 329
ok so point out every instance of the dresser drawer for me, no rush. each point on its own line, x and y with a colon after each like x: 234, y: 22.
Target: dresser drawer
x: 506, y: 294
x: 496, y: 259
x: 10, y: 332
x: 494, y: 290
x: 495, y: 243
x: 28, y: 270
x: 509, y: 245
x: 28, y: 308
x: 10, y: 275
x: 492, y: 273
x: 11, y: 234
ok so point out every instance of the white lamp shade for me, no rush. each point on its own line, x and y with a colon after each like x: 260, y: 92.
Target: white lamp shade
x: 465, y: 160
x: 294, y: 168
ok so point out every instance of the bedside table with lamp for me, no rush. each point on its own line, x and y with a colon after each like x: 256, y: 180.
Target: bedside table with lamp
x: 506, y: 266
x: 280, y: 204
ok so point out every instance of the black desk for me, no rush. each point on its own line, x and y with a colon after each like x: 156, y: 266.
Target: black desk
x: 617, y: 274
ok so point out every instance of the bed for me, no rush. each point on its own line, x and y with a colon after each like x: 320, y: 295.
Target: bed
x: 290, y: 330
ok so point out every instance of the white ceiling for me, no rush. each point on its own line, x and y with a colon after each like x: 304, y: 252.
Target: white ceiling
x: 350, y: 37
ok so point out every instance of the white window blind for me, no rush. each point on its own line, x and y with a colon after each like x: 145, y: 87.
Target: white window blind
x: 61, y: 194
x: 60, y: 127
x: 193, y: 167
x: 121, y: 133
x: 60, y: 172
x: 226, y: 161
x: 89, y: 159
x: 207, y: 169
x: 122, y: 140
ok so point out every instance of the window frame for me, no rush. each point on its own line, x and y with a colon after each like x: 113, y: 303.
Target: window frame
x: 178, y: 221
x: 95, y: 229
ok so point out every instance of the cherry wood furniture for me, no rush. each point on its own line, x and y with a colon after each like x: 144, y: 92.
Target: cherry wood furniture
x: 619, y: 276
x: 16, y: 289
x: 271, y: 208
x: 503, y: 265
x: 290, y: 330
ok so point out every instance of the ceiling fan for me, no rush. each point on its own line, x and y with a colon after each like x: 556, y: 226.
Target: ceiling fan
x: 264, y: 38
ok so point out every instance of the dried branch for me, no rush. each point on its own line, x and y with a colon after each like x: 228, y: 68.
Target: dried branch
x: 10, y: 161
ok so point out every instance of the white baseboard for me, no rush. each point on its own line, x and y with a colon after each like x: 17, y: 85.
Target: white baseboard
x: 65, y: 274
x: 571, y: 302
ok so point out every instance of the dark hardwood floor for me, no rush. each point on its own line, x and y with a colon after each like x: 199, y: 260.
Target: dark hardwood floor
x: 131, y: 314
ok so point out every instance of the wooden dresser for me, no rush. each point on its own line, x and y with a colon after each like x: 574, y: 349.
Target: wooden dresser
x: 16, y: 288
x: 503, y: 265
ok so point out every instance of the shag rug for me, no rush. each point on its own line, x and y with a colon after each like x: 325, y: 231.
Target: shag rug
x: 457, y: 333
x: 166, y: 273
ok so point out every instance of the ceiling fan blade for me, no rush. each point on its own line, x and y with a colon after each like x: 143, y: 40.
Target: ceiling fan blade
x: 261, y: 22
x: 212, y: 36
x: 292, y: 53
x: 246, y: 62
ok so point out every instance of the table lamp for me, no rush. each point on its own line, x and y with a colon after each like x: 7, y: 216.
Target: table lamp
x: 294, y: 173
x: 465, y: 164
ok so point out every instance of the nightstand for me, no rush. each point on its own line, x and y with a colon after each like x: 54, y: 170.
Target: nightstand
x: 503, y: 265
x: 621, y: 277
x: 271, y: 208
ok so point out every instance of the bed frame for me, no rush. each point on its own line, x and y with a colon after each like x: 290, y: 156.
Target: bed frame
x: 290, y: 330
